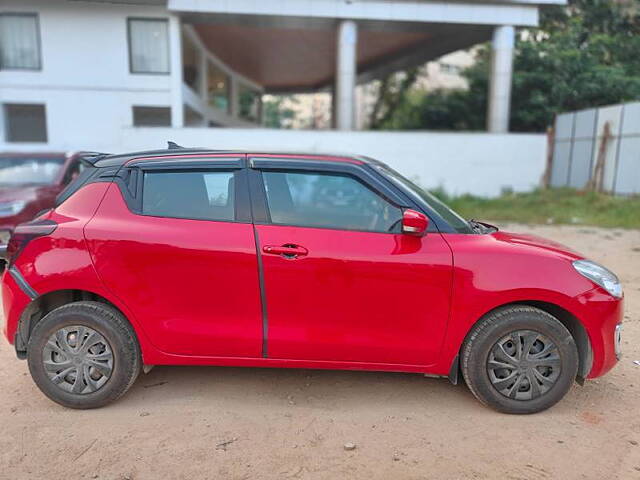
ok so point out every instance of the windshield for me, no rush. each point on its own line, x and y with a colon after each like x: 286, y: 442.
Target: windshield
x: 458, y: 223
x: 29, y: 170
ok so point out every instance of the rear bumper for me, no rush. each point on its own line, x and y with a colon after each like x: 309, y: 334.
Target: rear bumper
x: 14, y: 300
x: 601, y: 314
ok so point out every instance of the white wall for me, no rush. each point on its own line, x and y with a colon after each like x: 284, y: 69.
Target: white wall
x: 85, y: 81
x: 88, y: 92
x: 478, y: 163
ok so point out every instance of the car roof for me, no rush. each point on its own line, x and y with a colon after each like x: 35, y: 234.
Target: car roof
x: 101, y: 160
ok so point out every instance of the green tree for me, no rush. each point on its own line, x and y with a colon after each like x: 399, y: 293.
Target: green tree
x: 276, y: 114
x: 392, y: 92
x: 584, y: 55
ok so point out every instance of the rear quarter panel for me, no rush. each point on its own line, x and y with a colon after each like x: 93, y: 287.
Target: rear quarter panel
x: 61, y: 261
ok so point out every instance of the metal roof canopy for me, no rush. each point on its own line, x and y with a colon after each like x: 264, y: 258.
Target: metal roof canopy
x: 298, y: 55
x: 290, y: 45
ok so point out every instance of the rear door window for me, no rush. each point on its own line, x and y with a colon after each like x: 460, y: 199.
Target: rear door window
x: 200, y: 195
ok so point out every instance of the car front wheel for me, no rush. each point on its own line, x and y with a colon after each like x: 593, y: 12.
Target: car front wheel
x: 519, y: 359
x: 83, y: 355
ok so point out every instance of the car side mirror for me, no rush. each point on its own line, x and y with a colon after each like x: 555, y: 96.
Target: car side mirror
x: 414, y: 223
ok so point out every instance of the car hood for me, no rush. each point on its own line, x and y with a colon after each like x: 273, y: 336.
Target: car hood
x: 11, y: 194
x: 534, y: 242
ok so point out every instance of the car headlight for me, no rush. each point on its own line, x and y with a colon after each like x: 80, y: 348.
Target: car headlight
x: 12, y: 208
x: 599, y: 275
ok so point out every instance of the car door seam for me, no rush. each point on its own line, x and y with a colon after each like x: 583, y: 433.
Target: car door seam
x: 263, y: 295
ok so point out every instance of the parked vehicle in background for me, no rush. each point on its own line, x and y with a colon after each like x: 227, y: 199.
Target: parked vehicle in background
x: 29, y: 184
x: 193, y: 257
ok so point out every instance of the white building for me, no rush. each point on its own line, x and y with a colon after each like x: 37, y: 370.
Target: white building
x: 97, y: 74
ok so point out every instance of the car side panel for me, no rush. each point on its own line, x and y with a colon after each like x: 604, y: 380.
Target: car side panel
x: 192, y: 284
x: 488, y: 273
x: 59, y: 261
x: 356, y: 296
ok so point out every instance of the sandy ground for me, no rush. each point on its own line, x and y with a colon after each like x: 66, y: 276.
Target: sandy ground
x: 221, y: 423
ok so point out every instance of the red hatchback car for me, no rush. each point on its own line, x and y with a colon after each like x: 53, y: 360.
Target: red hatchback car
x: 30, y: 182
x: 193, y: 257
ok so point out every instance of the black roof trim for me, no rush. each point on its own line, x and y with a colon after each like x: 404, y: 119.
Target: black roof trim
x: 109, y: 160
x: 121, y: 159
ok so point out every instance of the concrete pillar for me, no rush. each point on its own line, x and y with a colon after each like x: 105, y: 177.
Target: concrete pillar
x: 175, y: 52
x: 500, y: 80
x: 204, y: 76
x: 234, y: 100
x: 346, y: 75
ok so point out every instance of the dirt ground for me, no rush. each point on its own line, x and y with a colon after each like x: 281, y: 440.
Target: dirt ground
x: 220, y: 423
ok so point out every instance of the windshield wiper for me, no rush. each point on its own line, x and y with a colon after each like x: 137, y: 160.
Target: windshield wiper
x: 480, y: 227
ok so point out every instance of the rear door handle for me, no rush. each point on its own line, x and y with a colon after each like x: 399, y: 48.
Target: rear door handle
x: 287, y: 250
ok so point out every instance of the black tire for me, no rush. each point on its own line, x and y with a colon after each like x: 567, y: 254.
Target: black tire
x: 116, y: 335
x: 535, y: 331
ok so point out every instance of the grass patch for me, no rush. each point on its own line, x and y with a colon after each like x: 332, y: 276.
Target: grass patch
x: 550, y: 206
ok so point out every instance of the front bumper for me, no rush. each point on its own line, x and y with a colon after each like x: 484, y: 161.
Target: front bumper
x: 618, y: 341
x: 601, y: 314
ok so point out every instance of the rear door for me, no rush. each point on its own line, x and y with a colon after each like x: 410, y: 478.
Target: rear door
x: 174, y: 241
x: 341, y: 282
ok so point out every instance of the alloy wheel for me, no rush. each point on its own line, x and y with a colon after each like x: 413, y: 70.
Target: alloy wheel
x: 524, y: 365
x: 78, y: 359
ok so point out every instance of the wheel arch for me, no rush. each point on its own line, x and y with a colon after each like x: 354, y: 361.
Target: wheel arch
x: 570, y: 322
x: 47, y: 302
x: 577, y: 331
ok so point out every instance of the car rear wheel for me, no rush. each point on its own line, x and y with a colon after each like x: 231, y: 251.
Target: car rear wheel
x: 83, y: 355
x: 519, y: 359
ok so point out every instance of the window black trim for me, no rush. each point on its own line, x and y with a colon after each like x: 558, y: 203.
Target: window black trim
x: 88, y: 175
x: 130, y: 180
x: 147, y: 19
x: 258, y: 197
x: 39, y: 42
x: 368, y: 178
x: 436, y: 222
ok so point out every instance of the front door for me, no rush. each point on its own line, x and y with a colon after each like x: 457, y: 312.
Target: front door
x: 341, y: 282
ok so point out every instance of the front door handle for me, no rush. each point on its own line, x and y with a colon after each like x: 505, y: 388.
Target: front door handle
x: 287, y: 250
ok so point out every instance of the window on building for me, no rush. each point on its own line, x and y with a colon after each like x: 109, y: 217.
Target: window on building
x: 250, y: 103
x: 151, y: 116
x: 19, y: 41
x: 328, y: 201
x: 196, y: 195
x: 25, y: 122
x: 191, y: 62
x: 218, y: 88
x: 148, y: 45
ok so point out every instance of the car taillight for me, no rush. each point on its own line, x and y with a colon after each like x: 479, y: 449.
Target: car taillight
x: 24, y: 233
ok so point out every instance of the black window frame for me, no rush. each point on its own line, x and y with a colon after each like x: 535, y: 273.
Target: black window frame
x: 259, y: 201
x: 147, y: 125
x: 5, y: 118
x: 129, y: 45
x: 130, y: 180
x: 36, y: 16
